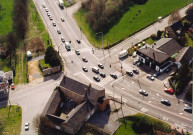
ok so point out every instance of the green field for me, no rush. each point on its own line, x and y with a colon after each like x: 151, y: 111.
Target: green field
x: 5, y: 64
x: 6, y: 16
x: 10, y: 123
x: 123, y: 29
x: 44, y: 64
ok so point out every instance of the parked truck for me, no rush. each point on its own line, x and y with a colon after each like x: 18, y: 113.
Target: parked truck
x: 61, y: 3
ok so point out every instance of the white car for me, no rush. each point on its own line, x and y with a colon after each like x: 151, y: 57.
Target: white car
x: 62, y: 19
x: 143, y: 92
x: 43, y: 5
x: 150, y: 77
x: 26, y: 126
x: 46, y: 10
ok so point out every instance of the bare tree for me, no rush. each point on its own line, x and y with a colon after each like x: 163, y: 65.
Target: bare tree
x: 174, y: 17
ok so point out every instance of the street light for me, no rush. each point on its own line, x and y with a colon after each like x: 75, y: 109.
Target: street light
x: 102, y: 42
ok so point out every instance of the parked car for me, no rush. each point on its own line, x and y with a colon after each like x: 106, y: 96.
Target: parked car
x: 100, y: 65
x: 26, y: 126
x: 84, y: 59
x: 102, y: 74
x: 169, y: 90
x: 62, y: 39
x: 12, y: 86
x: 59, y: 32
x: 156, y: 74
x: 84, y: 69
x: 77, y: 52
x: 166, y: 102
x: 113, y: 75
x: 139, y: 64
x: 130, y: 73
x: 143, y: 92
x: 43, y: 5
x: 62, y: 19
x: 78, y: 41
x: 150, y: 77
x: 54, y: 24
x: 135, y: 62
x: 188, y: 109
x: 135, y: 71
x: 96, y: 78
x: 46, y: 10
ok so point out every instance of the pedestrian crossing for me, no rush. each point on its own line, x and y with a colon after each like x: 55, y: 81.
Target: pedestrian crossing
x: 72, y: 52
x: 108, y: 79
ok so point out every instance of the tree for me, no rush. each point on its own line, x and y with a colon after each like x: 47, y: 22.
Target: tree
x: 52, y: 57
x: 159, y: 34
x: 174, y: 17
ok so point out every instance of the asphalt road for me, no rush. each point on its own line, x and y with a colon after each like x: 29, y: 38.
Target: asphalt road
x: 34, y: 98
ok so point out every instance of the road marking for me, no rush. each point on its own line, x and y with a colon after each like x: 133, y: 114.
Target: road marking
x: 122, y: 88
x: 144, y: 110
x: 132, y: 82
x: 157, y: 94
x: 181, y: 113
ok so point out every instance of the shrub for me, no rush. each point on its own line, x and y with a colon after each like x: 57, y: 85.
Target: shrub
x: 153, y: 36
x: 159, y: 34
x: 52, y: 57
x: 130, y: 51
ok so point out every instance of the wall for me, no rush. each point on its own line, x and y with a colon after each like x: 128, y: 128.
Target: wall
x: 103, y: 106
x: 49, y: 71
x: 72, y: 95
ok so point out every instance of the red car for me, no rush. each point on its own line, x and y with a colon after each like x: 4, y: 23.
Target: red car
x: 169, y: 90
x: 12, y: 86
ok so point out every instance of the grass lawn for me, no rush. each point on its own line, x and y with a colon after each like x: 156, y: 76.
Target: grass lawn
x: 189, y: 40
x: 126, y: 129
x: 123, y: 29
x: 5, y: 64
x: 6, y: 16
x: 44, y: 64
x: 36, y: 25
x: 67, y: 4
x: 10, y: 125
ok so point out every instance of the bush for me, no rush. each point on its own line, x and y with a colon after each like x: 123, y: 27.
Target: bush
x: 153, y: 36
x: 159, y: 34
x: 52, y: 57
x: 130, y: 51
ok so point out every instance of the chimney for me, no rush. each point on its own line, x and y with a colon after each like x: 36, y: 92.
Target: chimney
x: 146, y: 47
x: 154, y: 56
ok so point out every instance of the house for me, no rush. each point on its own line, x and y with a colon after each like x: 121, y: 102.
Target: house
x: 74, y: 103
x: 4, y: 87
x: 158, y: 55
x: 184, y: 56
x: 176, y: 30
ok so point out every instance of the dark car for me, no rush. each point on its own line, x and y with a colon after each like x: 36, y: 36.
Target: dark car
x: 113, y: 75
x: 166, y: 102
x: 77, y: 52
x: 130, y: 73
x: 84, y: 59
x: 102, y: 74
x: 96, y: 78
x: 135, y: 71
x: 188, y: 109
x: 156, y: 74
x: 78, y: 41
x: 84, y: 69
x: 101, y: 65
x: 135, y: 62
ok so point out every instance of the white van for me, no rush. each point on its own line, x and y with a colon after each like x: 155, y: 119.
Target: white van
x: 95, y: 69
x: 123, y: 53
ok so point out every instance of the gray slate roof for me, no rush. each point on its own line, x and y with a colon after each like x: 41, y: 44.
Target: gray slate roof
x: 185, y: 55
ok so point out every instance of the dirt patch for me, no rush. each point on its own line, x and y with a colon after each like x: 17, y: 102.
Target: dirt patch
x: 34, y: 72
x: 36, y: 45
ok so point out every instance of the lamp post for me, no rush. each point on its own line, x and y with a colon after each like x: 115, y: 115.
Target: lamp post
x: 102, y: 42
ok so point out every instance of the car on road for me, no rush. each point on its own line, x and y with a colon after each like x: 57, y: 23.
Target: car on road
x: 169, y: 90
x: 130, y: 73
x: 150, y: 77
x: 96, y: 78
x: 143, y: 92
x: 51, y: 18
x: 78, y: 41
x: 62, y: 19
x: 100, y: 65
x: 113, y: 75
x: 166, y: 102
x: 48, y: 14
x: 59, y: 32
x: 12, y: 86
x: 135, y: 62
x: 46, y: 10
x: 84, y: 69
x: 53, y: 23
x: 102, y: 74
x: 77, y: 52
x: 62, y: 39
x: 43, y: 5
x: 135, y: 71
x: 84, y: 59
x: 26, y: 126
x: 156, y: 74
x: 188, y: 109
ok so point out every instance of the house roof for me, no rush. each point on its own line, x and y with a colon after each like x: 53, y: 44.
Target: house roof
x: 185, y: 55
x: 79, y: 86
x: 168, y: 45
x: 154, y: 54
x: 176, y: 27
